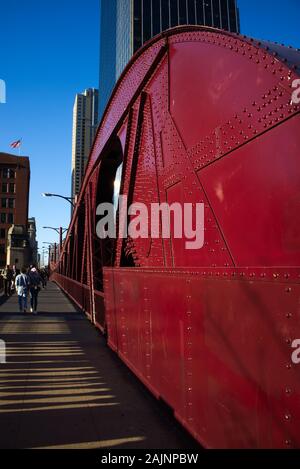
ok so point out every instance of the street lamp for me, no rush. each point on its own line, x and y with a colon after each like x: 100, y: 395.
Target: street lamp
x: 60, y: 231
x: 55, y: 229
x: 42, y: 251
x: 50, y: 246
x: 69, y: 199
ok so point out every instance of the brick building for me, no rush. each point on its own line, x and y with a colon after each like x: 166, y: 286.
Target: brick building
x: 14, y: 194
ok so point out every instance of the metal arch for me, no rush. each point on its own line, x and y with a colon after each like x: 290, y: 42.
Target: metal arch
x: 207, y: 118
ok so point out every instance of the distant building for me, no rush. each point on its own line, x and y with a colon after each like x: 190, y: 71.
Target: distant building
x: 32, y: 240
x: 14, y: 194
x: 125, y: 25
x: 18, y: 247
x: 85, y: 120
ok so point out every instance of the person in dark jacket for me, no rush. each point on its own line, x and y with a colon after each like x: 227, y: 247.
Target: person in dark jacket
x: 7, y: 277
x: 34, y: 288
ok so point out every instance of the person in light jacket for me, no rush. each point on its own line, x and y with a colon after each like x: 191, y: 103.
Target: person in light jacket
x: 22, y: 284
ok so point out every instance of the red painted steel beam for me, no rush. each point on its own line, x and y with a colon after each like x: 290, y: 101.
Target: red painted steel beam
x: 202, y: 115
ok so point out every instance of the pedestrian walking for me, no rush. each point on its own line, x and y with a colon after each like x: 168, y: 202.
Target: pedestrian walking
x: 7, y: 277
x: 34, y: 288
x: 22, y: 284
x: 43, y: 277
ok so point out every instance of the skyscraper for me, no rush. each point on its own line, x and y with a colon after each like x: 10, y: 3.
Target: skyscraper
x: 85, y: 120
x: 108, y: 53
x: 127, y: 24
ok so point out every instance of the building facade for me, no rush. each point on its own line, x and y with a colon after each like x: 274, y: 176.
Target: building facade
x: 125, y: 25
x: 14, y: 186
x: 85, y: 120
x: 32, y: 240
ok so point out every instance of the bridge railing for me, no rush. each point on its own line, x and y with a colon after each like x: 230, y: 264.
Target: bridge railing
x: 78, y: 292
x: 81, y: 295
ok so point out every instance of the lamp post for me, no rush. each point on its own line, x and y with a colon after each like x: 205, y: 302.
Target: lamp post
x: 43, y: 256
x: 60, y: 231
x: 49, y: 251
x: 44, y: 253
x: 69, y: 199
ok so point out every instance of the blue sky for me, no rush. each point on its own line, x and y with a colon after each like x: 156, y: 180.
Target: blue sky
x: 48, y: 53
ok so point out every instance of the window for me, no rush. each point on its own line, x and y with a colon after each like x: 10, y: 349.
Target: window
x: 2, y: 249
x: 224, y: 14
x: 182, y: 12
x: 199, y: 12
x: 11, y: 203
x: 12, y: 173
x: 5, y: 172
x: 156, y: 27
x: 137, y: 24
x: 165, y: 14
x: 4, y: 187
x: 146, y: 20
x: 2, y: 233
x: 12, y: 187
x: 4, y: 203
x: 2, y: 217
x: 191, y: 12
x: 216, y: 14
x: 207, y: 11
x: 10, y: 218
x: 174, y: 13
x: 232, y: 15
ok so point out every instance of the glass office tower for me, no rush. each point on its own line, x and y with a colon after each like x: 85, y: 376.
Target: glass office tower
x: 108, y: 51
x: 127, y: 24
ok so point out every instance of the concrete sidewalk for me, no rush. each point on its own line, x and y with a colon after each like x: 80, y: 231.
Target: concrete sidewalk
x: 62, y: 387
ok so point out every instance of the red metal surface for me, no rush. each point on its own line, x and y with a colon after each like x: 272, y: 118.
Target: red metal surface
x: 200, y: 115
x: 215, y: 345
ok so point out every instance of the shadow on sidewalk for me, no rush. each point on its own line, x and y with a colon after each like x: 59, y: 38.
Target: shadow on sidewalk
x: 3, y: 299
x: 61, y: 377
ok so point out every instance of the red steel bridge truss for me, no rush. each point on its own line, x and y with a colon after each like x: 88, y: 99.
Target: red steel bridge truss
x: 201, y: 115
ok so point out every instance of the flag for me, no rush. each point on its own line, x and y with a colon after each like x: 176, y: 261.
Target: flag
x: 16, y: 144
